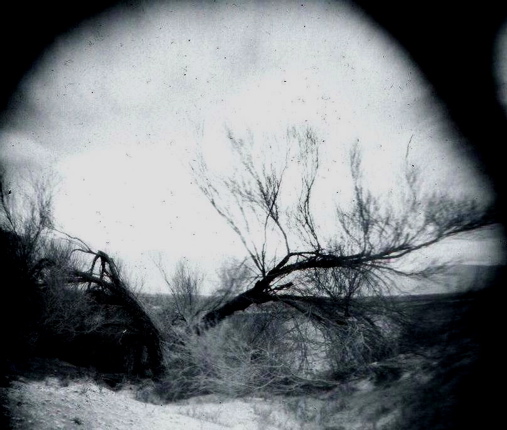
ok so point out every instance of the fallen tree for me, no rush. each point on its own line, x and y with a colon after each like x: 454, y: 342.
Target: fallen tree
x: 108, y: 287
x: 74, y: 307
x: 292, y: 259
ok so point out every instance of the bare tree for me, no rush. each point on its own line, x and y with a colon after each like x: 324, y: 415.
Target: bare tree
x: 46, y: 267
x: 25, y: 218
x: 103, y: 280
x: 26, y: 213
x: 185, y: 287
x: 188, y: 301
x: 270, y: 205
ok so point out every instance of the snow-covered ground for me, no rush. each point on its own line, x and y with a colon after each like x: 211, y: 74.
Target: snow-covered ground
x: 363, y: 403
x: 82, y: 404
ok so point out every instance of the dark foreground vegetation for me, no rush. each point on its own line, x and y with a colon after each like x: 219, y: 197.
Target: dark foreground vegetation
x: 439, y: 370
x: 463, y: 330
x: 307, y: 312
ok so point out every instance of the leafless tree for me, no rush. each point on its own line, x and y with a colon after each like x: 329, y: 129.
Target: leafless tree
x: 188, y: 301
x: 26, y: 213
x: 271, y: 207
x: 185, y: 287
x: 103, y: 280
x: 51, y: 267
x: 25, y: 218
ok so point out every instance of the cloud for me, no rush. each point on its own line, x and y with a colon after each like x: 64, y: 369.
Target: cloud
x: 117, y: 105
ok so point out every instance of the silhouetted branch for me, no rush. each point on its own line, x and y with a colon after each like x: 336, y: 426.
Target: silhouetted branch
x: 372, y: 234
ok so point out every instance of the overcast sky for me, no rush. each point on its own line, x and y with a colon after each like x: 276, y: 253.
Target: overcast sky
x: 116, y: 106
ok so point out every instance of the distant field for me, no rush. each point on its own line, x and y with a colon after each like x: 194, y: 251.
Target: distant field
x: 457, y: 278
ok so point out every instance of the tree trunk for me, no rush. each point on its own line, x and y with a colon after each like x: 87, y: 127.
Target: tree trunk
x: 236, y: 304
x: 151, y: 335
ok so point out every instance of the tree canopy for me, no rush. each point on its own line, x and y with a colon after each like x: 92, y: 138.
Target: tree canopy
x: 273, y: 205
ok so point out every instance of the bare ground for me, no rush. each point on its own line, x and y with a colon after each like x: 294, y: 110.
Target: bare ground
x: 370, y: 401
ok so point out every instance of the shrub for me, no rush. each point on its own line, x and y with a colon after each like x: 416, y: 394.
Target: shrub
x: 351, y: 348
x: 234, y: 359
x: 265, y: 351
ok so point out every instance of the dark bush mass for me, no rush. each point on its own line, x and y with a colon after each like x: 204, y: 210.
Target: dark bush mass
x: 21, y: 307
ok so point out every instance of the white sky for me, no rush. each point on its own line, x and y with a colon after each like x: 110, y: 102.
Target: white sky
x: 116, y: 107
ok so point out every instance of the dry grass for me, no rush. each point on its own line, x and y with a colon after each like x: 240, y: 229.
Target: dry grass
x: 262, y: 354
